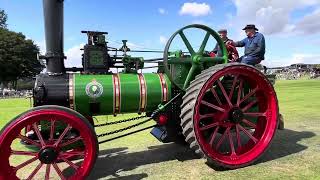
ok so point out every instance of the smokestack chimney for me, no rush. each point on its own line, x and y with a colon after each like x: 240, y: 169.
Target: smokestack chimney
x: 53, y: 20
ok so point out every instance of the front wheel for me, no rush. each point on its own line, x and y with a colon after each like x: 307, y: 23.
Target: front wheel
x: 54, y: 154
x: 229, y: 115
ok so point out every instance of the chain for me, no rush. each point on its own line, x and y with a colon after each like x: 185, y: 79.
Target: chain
x: 120, y: 121
x: 124, y: 129
x: 153, y: 115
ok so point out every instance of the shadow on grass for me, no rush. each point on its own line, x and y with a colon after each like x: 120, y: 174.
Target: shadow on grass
x: 286, y: 143
x: 113, y: 161
x: 131, y: 177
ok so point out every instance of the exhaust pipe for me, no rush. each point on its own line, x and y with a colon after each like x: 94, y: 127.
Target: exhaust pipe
x: 53, y: 21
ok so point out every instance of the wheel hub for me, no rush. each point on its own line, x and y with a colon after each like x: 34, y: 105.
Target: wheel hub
x: 48, y: 155
x: 196, y: 59
x: 236, y: 115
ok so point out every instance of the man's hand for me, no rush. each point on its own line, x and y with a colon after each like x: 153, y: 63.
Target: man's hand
x: 230, y: 42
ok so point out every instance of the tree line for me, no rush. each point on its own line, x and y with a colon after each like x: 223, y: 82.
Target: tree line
x: 18, y: 55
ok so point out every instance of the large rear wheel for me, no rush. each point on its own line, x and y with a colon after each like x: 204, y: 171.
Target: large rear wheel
x: 54, y: 154
x: 229, y: 115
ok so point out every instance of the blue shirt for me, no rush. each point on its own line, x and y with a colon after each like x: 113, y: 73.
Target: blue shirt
x: 254, y: 46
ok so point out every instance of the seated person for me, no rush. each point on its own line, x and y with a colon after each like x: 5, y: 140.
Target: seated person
x: 254, y: 45
x: 232, y: 51
x: 224, y: 36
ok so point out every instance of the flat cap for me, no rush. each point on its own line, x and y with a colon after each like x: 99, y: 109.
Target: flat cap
x: 222, y: 30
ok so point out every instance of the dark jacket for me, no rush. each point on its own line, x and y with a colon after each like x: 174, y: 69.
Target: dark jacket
x: 217, y: 50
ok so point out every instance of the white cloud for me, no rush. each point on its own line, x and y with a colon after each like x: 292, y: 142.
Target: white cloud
x: 309, y: 24
x: 163, y: 40
x: 74, y: 56
x: 272, y: 20
x: 162, y: 11
x: 273, y: 16
x: 195, y: 9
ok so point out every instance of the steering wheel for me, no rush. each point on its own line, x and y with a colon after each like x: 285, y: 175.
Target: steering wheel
x: 233, y: 54
x: 192, y: 64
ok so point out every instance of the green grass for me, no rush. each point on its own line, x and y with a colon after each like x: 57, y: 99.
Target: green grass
x: 294, y: 153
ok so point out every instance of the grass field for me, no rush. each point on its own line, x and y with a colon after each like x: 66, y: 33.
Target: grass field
x: 294, y: 153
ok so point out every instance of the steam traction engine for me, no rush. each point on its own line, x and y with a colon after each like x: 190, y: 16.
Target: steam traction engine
x: 227, y: 112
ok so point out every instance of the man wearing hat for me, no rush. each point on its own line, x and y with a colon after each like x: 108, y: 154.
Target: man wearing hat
x: 254, y: 46
x: 224, y: 36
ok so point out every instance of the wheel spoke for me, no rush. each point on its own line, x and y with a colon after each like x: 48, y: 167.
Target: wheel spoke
x: 189, y: 76
x: 239, y: 93
x: 36, y: 129
x: 55, y: 166
x: 224, y: 93
x: 233, y: 152
x: 249, y: 123
x: 207, y: 115
x: 238, y: 137
x: 62, y: 135
x: 52, y: 129
x: 255, y: 140
x: 235, y: 80
x: 204, y: 43
x: 72, y: 153
x: 25, y: 153
x: 213, y: 136
x: 30, y: 141
x: 209, y: 126
x: 25, y: 163
x: 255, y: 114
x: 214, y: 92
x: 187, y: 43
x: 35, y: 171
x: 222, y: 138
x: 212, y: 106
x: 249, y: 105
x: 70, y: 141
x: 249, y: 95
x: 74, y: 166
x: 47, y: 176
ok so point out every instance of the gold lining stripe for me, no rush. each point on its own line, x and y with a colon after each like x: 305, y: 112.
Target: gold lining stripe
x: 143, y: 93
x: 71, y: 91
x: 116, y: 93
x: 164, y: 88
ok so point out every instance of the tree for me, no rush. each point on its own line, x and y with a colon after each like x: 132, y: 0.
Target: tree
x: 18, y: 57
x: 3, y: 19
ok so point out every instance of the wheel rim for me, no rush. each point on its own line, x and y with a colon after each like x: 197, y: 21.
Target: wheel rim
x: 52, y: 155
x: 224, y: 116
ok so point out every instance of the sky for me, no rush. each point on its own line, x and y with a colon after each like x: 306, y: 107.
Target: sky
x: 291, y: 27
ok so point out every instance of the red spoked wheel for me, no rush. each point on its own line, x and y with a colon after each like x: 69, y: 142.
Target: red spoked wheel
x: 229, y: 114
x: 52, y: 155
